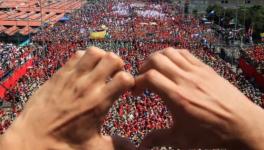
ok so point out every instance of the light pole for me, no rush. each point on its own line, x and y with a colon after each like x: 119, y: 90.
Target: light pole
x: 28, y: 20
x: 236, y: 14
x: 245, y: 18
x: 41, y: 20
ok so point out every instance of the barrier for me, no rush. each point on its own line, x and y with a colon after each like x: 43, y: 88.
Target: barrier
x: 251, y: 72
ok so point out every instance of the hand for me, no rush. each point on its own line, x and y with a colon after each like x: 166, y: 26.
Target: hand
x: 66, y: 112
x: 208, y: 111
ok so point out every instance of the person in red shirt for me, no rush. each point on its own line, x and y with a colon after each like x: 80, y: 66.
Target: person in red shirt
x: 66, y: 111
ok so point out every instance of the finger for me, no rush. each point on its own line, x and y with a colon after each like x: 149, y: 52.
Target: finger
x: 191, y: 58
x: 108, y: 66
x: 160, y: 84
x: 165, y: 66
x: 98, y: 142
x: 175, y: 56
x: 73, y: 61
x: 158, y: 138
x: 121, y: 82
x: 68, y: 66
x: 89, y: 60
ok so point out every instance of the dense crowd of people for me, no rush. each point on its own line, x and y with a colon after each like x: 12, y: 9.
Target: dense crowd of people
x: 255, y: 55
x: 135, y: 31
x: 11, y: 56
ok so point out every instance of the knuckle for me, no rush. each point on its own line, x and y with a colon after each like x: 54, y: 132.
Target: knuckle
x: 154, y: 59
x: 176, y: 96
x: 79, y: 88
x: 169, y: 50
x: 112, y: 57
x: 96, y: 52
x: 80, y: 68
x: 79, y: 53
x: 184, y: 51
x: 193, y: 79
x: 151, y: 74
x: 205, y: 70
x: 92, y: 48
x: 125, y: 78
x: 197, y: 81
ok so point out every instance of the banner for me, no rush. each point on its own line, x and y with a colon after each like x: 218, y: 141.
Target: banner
x: 13, y: 79
x: 251, y: 72
x: 262, y: 35
x: 97, y: 35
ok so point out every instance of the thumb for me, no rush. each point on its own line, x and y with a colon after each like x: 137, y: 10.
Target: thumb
x: 122, y: 143
x: 163, y: 137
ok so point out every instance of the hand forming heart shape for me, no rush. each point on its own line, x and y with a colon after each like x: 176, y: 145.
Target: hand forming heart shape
x: 66, y: 112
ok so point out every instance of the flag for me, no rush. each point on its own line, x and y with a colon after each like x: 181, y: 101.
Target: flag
x: 262, y: 35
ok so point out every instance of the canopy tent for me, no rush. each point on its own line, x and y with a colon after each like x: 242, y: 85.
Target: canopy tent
x: 25, y: 43
x: 64, y: 19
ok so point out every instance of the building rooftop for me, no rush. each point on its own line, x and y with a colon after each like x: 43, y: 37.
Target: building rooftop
x: 24, y: 16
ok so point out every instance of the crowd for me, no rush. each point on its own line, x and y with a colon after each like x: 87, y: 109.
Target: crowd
x: 255, y: 54
x: 11, y: 56
x: 136, y: 30
x: 47, y: 61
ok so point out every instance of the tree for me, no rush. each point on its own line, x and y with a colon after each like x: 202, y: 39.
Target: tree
x: 195, y: 12
x: 248, y: 17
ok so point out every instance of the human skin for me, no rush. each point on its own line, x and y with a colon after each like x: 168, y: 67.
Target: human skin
x: 67, y: 111
x: 208, y: 111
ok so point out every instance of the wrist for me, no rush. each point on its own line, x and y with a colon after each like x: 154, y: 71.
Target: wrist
x: 252, y: 128
x: 11, y: 141
x: 19, y: 136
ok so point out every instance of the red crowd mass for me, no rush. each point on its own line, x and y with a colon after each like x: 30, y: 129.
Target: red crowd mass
x: 135, y: 31
x: 256, y: 53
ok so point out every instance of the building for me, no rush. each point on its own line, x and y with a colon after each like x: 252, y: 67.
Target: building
x: 201, y: 5
x: 236, y: 3
x: 25, y: 16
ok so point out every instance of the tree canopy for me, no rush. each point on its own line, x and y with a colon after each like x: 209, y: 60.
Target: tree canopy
x: 248, y: 17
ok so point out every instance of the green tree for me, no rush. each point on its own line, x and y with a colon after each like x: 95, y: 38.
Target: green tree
x: 195, y: 12
x: 247, y: 17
